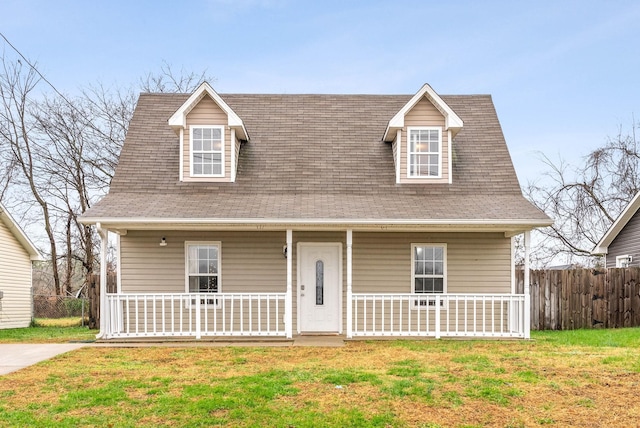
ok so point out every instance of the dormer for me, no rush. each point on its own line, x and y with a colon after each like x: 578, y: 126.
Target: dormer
x: 210, y: 136
x: 421, y: 134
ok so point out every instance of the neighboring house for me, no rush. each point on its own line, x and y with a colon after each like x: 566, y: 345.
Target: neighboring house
x: 17, y: 253
x: 621, y: 243
x: 275, y: 215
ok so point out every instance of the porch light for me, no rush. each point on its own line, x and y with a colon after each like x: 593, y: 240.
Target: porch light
x: 163, y: 242
x: 284, y: 251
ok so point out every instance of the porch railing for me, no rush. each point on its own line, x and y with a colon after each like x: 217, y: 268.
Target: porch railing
x: 195, y: 315
x: 438, y: 315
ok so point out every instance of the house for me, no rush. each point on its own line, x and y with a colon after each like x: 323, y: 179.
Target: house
x: 278, y: 215
x: 621, y: 243
x: 17, y: 253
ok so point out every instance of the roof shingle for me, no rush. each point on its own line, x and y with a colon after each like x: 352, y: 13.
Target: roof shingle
x: 315, y: 157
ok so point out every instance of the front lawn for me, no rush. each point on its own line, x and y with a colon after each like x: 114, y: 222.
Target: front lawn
x: 45, y: 330
x: 553, y: 380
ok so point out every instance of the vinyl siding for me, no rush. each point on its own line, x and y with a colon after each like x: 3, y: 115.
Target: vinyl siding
x: 15, y: 281
x: 250, y: 262
x: 476, y: 262
x: 207, y: 112
x: 253, y: 261
x: 424, y: 114
x: 627, y: 242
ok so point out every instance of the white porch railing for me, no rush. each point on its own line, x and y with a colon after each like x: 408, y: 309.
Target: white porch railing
x: 195, y: 315
x: 438, y: 315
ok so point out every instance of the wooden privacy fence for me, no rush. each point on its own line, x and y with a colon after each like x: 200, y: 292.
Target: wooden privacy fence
x: 583, y: 298
x: 94, y: 296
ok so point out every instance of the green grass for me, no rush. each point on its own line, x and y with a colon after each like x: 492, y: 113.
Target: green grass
x: 621, y: 337
x: 46, y: 334
x: 554, y: 380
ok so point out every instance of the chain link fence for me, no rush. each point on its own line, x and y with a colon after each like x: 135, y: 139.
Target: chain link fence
x: 46, y: 306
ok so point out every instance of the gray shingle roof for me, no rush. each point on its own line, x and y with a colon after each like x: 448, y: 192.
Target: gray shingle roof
x: 315, y: 157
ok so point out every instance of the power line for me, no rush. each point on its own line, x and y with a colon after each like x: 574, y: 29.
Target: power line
x: 33, y: 67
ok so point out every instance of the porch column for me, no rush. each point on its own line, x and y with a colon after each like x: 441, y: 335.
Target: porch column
x: 513, y: 306
x: 104, y: 240
x: 349, y: 283
x: 527, y: 296
x: 289, y: 297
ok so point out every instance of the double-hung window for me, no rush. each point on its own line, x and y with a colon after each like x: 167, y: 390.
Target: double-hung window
x: 425, y: 152
x: 203, y: 268
x: 428, y: 272
x: 207, y: 151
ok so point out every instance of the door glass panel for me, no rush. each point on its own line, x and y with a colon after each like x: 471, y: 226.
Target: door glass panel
x: 319, y: 282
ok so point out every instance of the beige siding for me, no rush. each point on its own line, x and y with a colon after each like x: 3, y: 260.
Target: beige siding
x: 15, y: 281
x: 476, y: 262
x: 249, y: 261
x: 207, y: 112
x: 424, y: 114
x: 253, y: 261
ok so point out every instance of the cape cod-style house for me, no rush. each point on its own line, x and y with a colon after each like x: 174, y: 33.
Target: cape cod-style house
x: 279, y: 215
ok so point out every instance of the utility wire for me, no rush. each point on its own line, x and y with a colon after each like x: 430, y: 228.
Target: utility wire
x: 39, y: 74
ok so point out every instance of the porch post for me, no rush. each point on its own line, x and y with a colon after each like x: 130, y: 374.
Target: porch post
x: 349, y: 284
x: 527, y: 291
x: 104, y: 240
x: 513, y: 306
x: 289, y: 297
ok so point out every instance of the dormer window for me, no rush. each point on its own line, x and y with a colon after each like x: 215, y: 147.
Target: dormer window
x: 425, y: 152
x: 207, y: 151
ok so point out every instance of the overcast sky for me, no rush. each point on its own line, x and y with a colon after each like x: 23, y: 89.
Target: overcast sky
x: 564, y: 75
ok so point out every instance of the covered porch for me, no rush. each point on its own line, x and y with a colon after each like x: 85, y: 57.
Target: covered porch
x: 282, y: 312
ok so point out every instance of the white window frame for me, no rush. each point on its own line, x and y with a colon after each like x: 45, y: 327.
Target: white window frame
x: 624, y: 261
x: 409, y: 152
x: 187, y: 274
x: 192, y: 151
x: 420, y: 304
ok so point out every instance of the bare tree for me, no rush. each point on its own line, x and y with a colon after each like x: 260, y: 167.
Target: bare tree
x: 17, y: 85
x: 64, y: 151
x: 167, y: 80
x: 584, y: 201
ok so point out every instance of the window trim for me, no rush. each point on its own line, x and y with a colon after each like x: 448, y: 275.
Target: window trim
x: 624, y: 258
x: 444, y: 271
x: 222, y: 151
x: 187, y: 244
x: 409, y: 152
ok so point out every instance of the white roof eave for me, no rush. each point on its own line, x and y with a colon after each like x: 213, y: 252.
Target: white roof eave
x: 602, y: 247
x: 179, y: 118
x: 452, y: 120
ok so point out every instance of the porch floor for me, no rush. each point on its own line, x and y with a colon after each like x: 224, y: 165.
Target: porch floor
x: 322, y: 341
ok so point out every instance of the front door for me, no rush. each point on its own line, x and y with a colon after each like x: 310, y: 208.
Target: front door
x: 319, y: 287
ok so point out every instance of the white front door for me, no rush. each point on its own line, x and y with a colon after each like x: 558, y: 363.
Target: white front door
x: 319, y: 287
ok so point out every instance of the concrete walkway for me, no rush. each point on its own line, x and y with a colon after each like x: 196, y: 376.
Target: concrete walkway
x: 20, y: 355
